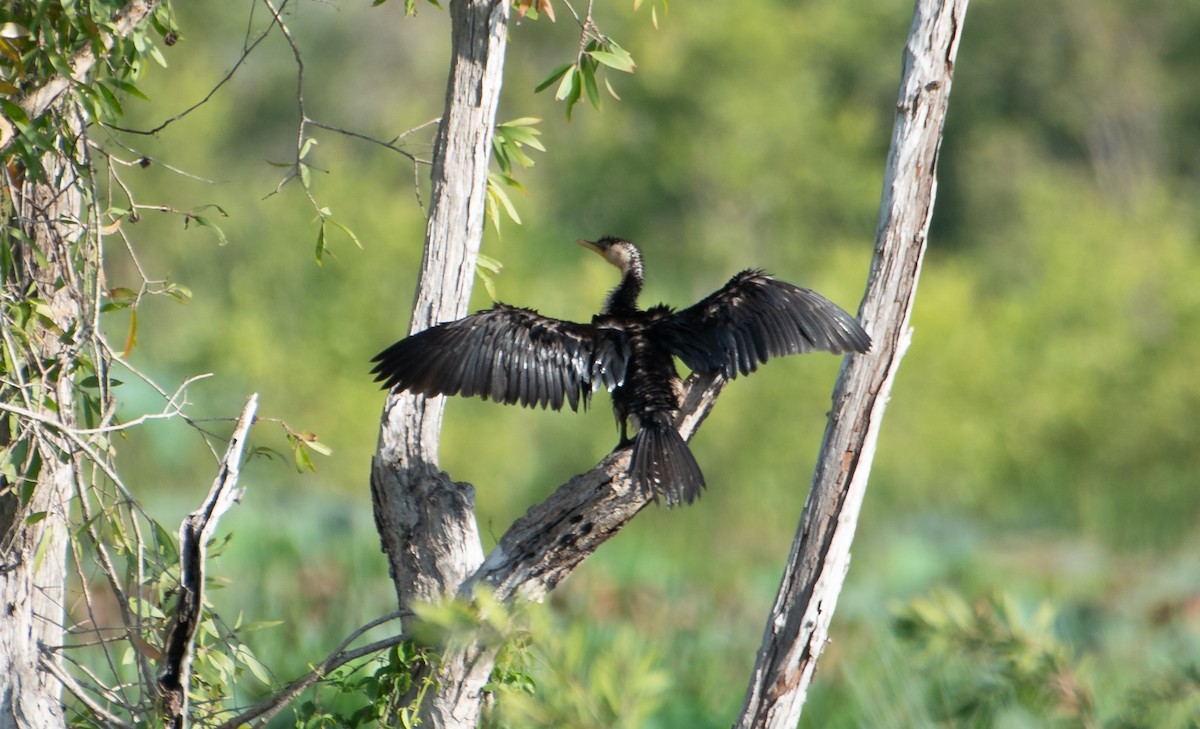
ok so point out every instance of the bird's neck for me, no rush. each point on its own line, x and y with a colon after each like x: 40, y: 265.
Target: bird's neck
x: 623, y: 299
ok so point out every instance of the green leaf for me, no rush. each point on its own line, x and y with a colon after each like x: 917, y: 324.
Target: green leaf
x: 349, y: 233
x: 61, y: 66
x: 16, y: 115
x: 307, y: 147
x: 319, y: 447
x: 91, y: 382
x: 497, y: 199
x: 165, y: 541
x: 521, y: 131
x: 515, y: 153
x: 120, y: 298
x: 488, y: 263
x: 303, y: 460
x: 206, y: 223
x: 131, y: 338
x: 569, y: 84
x: 485, y: 266
x: 157, y: 55
x: 247, y: 659
x: 181, y: 294
x: 549, y: 80
x: 259, y: 625
x: 611, y: 91
x: 111, y: 103
x: 13, y: 30
x: 321, y: 242
x: 522, y: 122
x: 129, y: 88
x: 617, y: 58
x: 588, y: 72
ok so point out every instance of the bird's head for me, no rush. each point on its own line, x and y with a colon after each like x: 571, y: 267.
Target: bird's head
x: 617, y: 251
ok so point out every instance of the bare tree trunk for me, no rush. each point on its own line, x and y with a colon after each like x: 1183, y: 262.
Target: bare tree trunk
x: 426, y: 522
x: 44, y: 234
x: 798, y: 626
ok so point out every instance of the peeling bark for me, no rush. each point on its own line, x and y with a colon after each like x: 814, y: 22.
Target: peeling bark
x: 426, y: 521
x: 798, y: 626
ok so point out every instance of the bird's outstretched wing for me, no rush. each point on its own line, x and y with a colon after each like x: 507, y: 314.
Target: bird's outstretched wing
x: 755, y: 317
x: 510, y: 355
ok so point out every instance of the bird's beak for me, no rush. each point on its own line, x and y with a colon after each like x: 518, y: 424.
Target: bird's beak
x: 591, y: 246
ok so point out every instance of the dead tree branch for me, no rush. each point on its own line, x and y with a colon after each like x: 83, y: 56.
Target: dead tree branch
x: 194, y: 534
x: 545, y: 545
x: 798, y: 626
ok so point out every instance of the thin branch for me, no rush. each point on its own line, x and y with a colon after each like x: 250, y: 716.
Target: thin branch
x: 89, y: 603
x: 172, y: 410
x: 247, y: 49
x: 266, y: 709
x: 386, y: 144
x: 51, y: 666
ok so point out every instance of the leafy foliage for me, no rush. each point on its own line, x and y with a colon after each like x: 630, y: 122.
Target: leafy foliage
x: 991, y: 657
x: 993, y: 660
x: 508, y: 143
x: 370, y: 692
x: 581, y: 676
x: 578, y: 78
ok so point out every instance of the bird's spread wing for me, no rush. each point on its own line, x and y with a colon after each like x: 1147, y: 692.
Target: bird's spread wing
x: 755, y: 317
x: 510, y: 355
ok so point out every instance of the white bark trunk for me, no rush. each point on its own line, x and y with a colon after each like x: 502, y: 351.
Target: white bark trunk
x: 33, y: 569
x: 798, y: 627
x: 31, y: 596
x: 427, y: 522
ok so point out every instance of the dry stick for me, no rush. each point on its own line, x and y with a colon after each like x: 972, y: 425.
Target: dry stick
x: 194, y: 533
x: 798, y: 626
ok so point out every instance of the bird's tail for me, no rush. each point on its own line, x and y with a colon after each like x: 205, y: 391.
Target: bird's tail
x: 663, y: 464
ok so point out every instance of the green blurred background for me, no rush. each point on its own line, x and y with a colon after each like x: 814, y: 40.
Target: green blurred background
x: 1042, y: 437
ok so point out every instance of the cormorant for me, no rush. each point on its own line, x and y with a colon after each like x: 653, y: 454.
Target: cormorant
x: 515, y: 355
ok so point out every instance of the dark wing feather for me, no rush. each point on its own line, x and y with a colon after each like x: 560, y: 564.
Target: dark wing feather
x: 755, y: 317
x: 510, y: 355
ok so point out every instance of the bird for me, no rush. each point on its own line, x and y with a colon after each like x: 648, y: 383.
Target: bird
x: 514, y: 355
